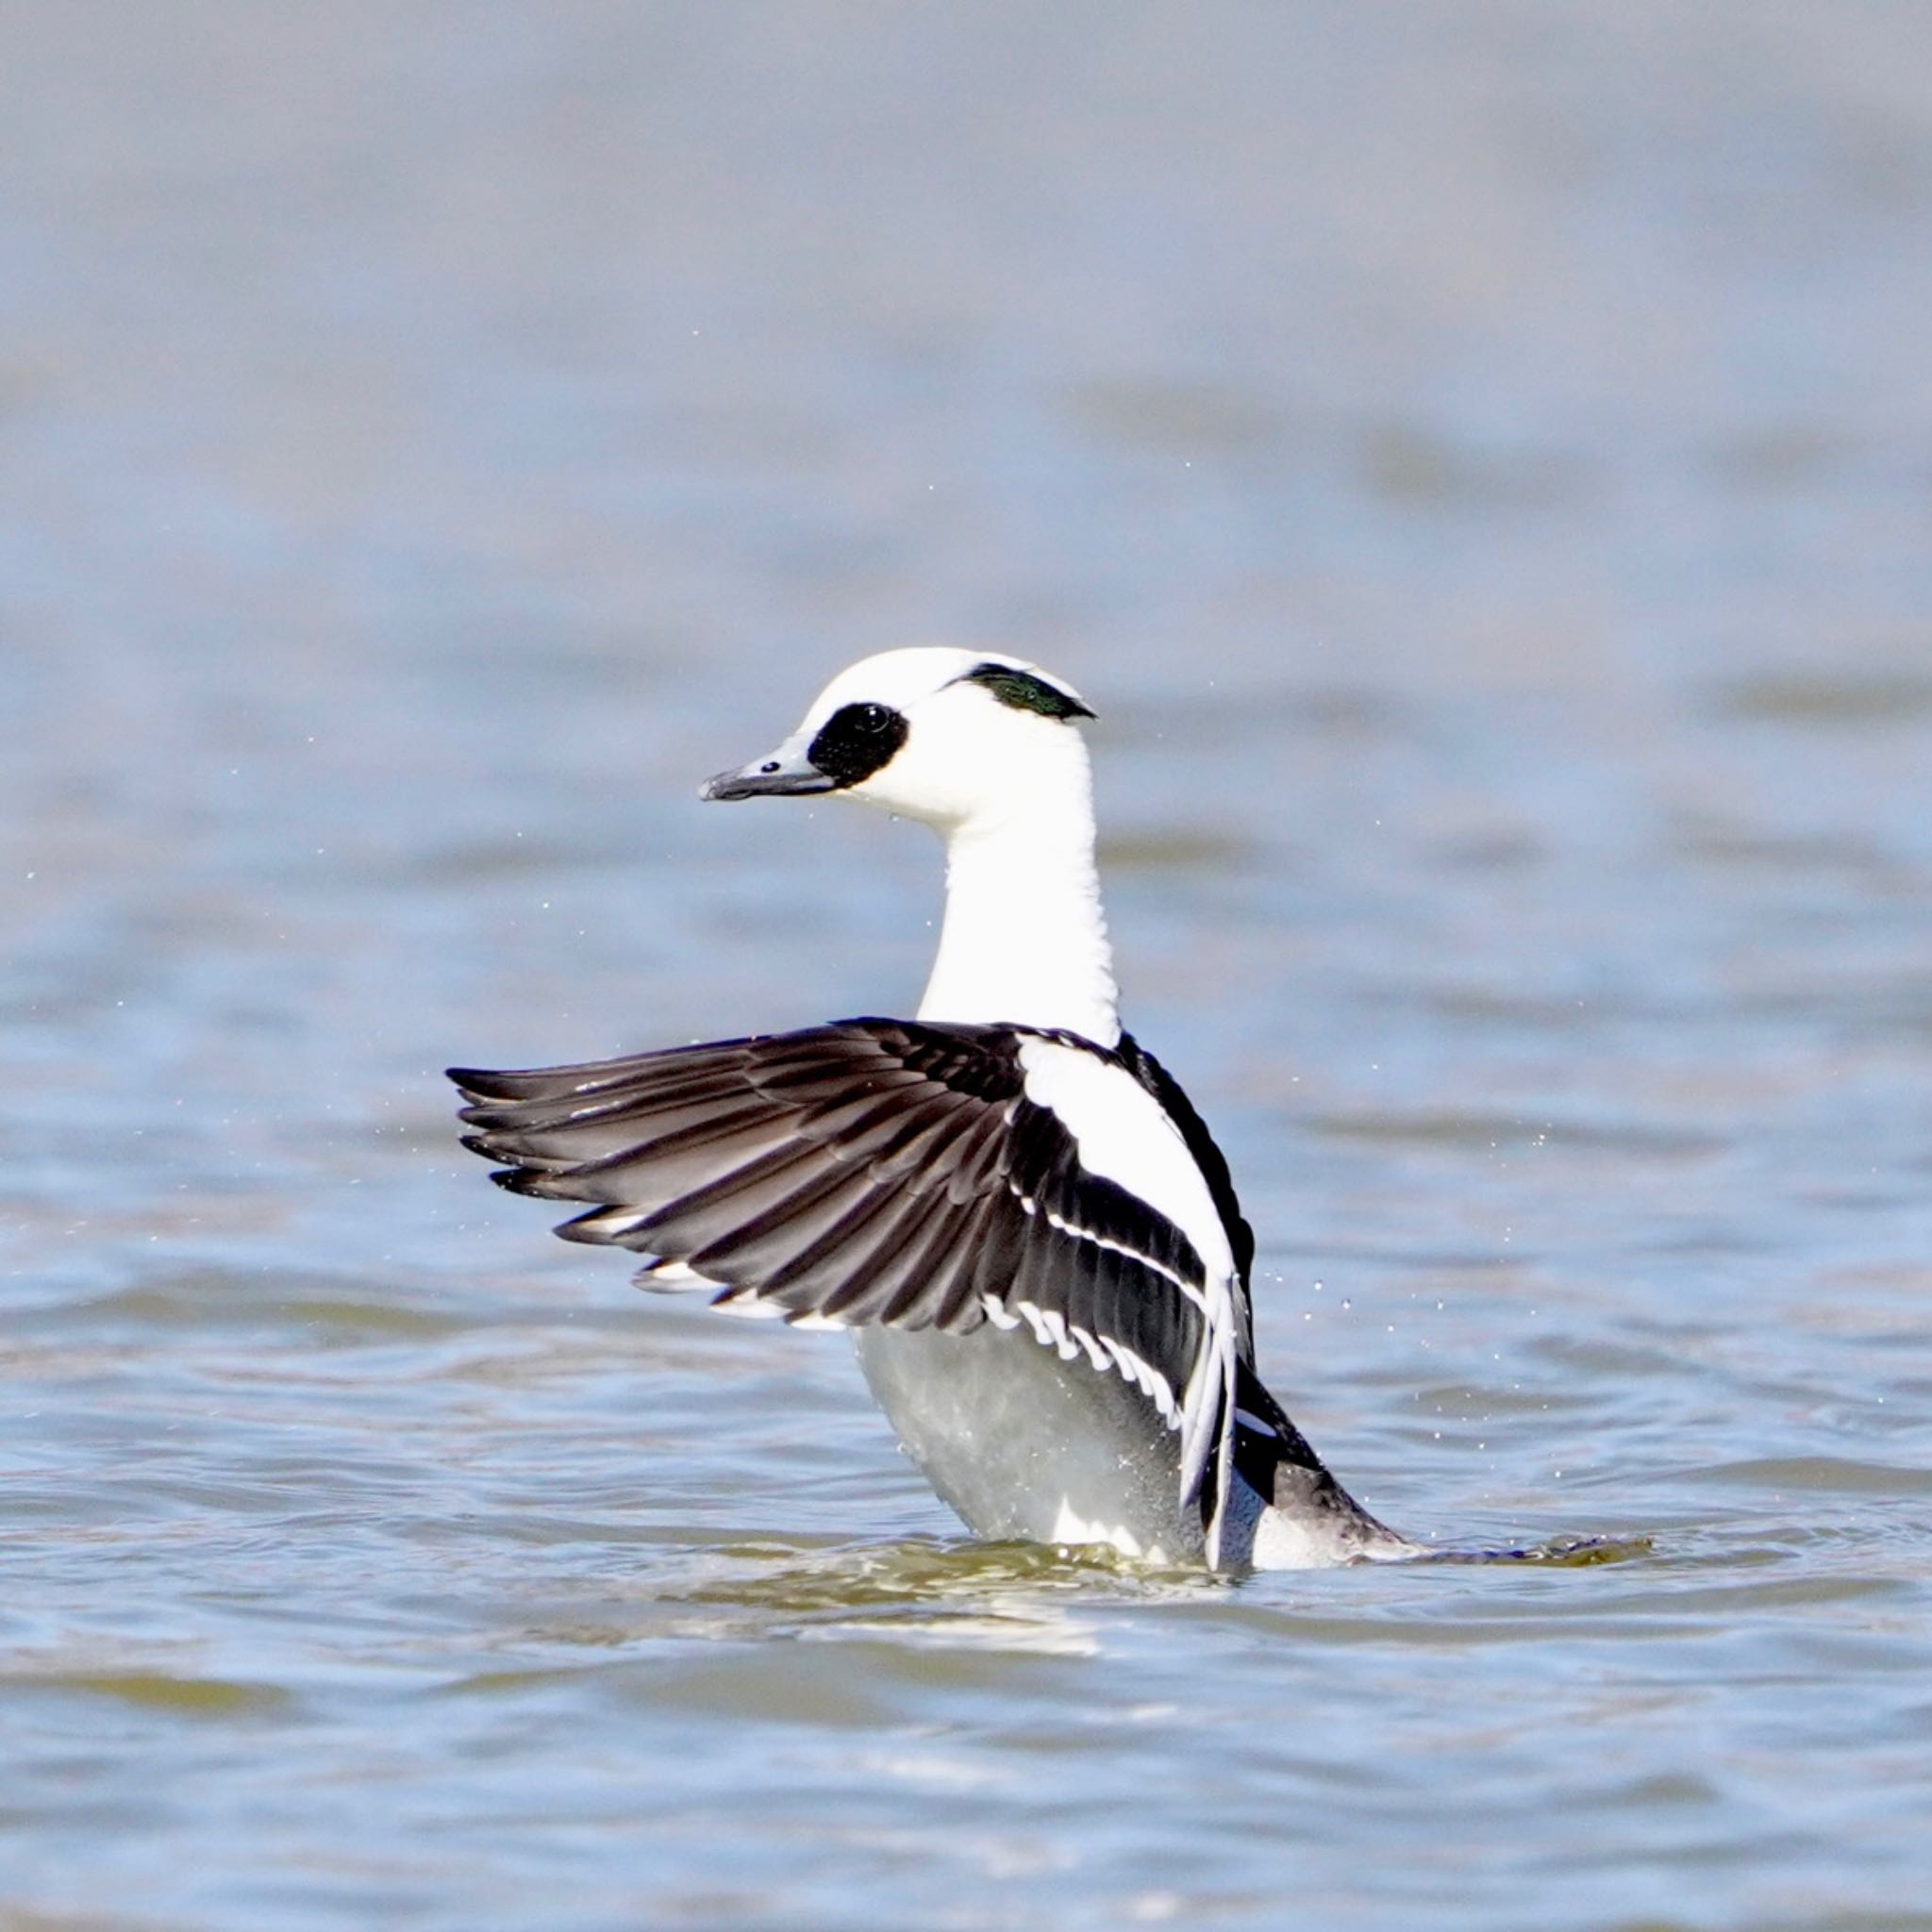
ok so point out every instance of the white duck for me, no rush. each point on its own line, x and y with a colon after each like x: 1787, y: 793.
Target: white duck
x: 1012, y: 1206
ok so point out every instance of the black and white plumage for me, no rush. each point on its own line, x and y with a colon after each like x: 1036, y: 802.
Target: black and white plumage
x: 1010, y: 1201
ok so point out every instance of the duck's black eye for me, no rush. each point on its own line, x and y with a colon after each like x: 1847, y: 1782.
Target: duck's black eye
x: 857, y: 741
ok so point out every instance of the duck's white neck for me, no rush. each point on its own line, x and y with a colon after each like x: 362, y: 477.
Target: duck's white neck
x: 1025, y: 939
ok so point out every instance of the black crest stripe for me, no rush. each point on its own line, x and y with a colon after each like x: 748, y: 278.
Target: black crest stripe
x: 1026, y: 691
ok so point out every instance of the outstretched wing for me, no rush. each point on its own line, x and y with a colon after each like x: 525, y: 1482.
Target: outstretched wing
x: 913, y: 1173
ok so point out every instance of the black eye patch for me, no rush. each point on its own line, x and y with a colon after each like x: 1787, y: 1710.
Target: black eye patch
x: 1026, y: 692
x: 857, y: 741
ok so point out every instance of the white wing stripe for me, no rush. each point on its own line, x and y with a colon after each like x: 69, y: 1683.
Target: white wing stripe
x: 1148, y: 1261
x: 748, y: 1306
x: 1122, y: 1134
x: 1149, y: 1380
x: 1101, y: 1240
x: 673, y: 1278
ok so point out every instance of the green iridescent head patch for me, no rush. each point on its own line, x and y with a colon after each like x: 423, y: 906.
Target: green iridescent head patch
x: 1026, y: 691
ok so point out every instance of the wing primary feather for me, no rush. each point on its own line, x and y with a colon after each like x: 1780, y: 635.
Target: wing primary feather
x: 888, y: 1171
x: 591, y: 1077
x: 640, y: 1096
x: 944, y: 1298
x: 908, y: 1270
x: 795, y: 1274
x: 755, y: 1251
x: 602, y: 1143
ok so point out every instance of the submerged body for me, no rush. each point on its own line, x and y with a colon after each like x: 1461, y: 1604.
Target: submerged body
x: 1012, y: 1206
x: 1022, y: 1451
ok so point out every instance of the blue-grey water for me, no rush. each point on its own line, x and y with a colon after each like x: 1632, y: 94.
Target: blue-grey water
x: 1478, y: 461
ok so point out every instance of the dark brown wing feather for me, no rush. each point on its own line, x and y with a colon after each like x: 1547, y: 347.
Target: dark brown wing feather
x: 871, y: 1171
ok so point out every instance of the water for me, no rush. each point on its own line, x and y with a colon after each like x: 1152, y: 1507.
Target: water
x: 1478, y: 464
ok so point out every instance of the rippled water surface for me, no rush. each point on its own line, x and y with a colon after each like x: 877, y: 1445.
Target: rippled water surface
x: 1478, y: 460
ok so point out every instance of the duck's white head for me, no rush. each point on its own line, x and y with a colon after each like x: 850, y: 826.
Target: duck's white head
x: 988, y: 750
x: 948, y: 736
